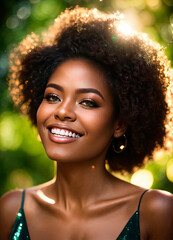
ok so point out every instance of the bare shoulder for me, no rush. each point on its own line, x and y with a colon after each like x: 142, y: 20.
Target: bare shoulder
x: 159, y: 201
x: 157, y: 213
x: 9, y: 207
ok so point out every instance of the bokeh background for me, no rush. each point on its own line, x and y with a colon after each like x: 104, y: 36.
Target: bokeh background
x: 23, y: 161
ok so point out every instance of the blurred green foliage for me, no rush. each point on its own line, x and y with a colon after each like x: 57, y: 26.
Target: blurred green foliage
x: 23, y: 161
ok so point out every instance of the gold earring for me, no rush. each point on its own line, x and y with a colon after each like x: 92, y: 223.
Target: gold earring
x: 121, y: 145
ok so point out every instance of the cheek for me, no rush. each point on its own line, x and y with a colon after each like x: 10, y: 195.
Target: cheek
x: 99, y: 127
x: 40, y: 114
x: 99, y: 122
x: 43, y: 113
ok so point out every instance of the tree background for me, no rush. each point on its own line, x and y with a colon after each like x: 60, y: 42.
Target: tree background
x: 23, y: 161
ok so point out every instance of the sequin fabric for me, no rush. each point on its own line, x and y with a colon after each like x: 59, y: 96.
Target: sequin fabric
x: 130, y: 231
x: 20, y: 229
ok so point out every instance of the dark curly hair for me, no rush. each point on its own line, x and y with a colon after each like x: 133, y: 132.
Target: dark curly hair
x: 135, y: 67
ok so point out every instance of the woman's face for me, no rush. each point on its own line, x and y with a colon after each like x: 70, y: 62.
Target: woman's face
x: 76, y: 117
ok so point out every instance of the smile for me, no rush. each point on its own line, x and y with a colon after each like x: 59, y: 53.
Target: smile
x: 64, y: 133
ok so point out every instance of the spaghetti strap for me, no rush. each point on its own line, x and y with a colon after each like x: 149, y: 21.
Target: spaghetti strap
x: 20, y: 228
x: 23, y: 199
x: 141, y: 198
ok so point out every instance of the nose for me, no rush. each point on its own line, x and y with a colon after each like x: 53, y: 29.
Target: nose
x: 65, y: 111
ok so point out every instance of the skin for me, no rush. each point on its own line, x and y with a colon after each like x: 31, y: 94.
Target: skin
x: 83, y: 201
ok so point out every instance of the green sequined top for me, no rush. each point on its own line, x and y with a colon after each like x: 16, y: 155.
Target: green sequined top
x: 130, y: 231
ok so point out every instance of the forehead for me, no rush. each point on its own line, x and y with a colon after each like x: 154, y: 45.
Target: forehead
x: 81, y: 73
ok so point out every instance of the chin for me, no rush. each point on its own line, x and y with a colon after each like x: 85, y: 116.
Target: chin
x: 59, y: 155
x: 56, y: 155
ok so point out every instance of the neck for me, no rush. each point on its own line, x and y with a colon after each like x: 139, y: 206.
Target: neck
x: 81, y: 183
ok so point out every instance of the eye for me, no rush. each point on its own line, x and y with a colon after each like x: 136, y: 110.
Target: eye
x: 89, y: 103
x: 52, y: 98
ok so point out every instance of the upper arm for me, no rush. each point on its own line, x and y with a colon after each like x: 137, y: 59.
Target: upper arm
x: 9, y: 207
x: 157, y: 215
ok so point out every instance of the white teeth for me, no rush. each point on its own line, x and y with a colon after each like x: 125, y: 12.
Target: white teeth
x: 58, y: 131
x: 70, y: 134
x: 73, y: 135
x: 53, y: 130
x: 66, y: 133
x: 62, y: 133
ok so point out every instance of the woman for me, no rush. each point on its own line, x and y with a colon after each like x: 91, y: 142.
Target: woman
x: 95, y: 95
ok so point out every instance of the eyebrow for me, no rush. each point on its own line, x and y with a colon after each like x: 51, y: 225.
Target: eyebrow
x: 56, y: 86
x: 80, y: 90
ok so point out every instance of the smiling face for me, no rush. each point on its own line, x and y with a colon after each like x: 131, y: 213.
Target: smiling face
x: 76, y: 117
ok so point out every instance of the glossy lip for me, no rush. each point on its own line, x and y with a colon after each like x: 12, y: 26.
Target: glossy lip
x: 64, y: 139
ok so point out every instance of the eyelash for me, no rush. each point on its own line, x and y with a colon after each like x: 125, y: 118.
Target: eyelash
x: 92, y: 103
x: 49, y: 96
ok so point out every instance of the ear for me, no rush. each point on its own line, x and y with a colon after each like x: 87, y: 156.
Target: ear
x: 119, y: 128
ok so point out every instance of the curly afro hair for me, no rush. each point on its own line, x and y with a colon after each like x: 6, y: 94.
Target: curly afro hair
x: 135, y: 67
